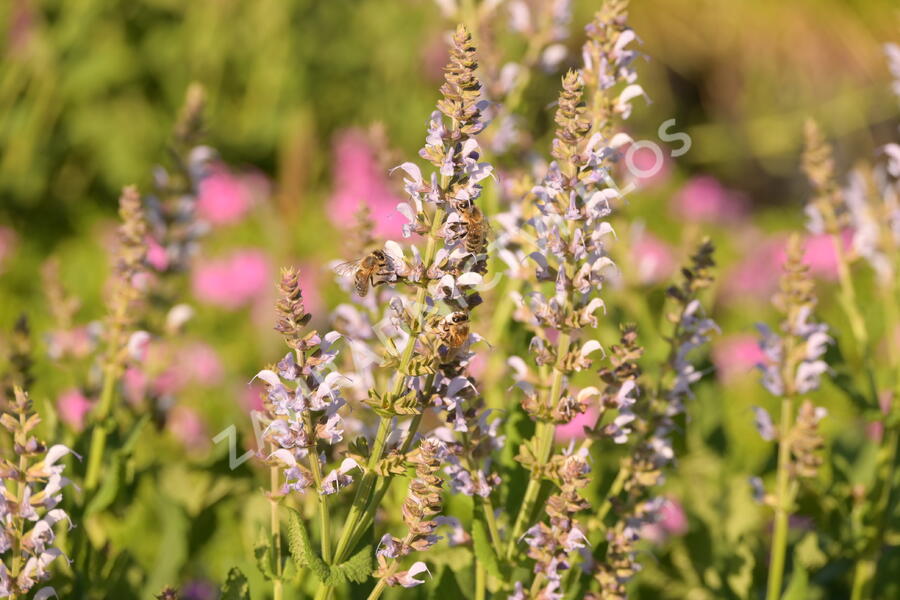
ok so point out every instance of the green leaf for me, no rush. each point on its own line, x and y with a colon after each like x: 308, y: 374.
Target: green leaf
x: 109, y: 488
x: 481, y: 542
x: 112, y: 481
x: 301, y: 549
x: 236, y: 586
x: 808, y: 553
x: 798, y: 587
x: 262, y: 551
x: 356, y: 569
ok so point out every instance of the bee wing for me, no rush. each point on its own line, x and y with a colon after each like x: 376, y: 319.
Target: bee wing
x: 346, y: 269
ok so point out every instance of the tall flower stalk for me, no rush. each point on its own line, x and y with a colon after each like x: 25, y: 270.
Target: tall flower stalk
x: 609, y: 84
x: 793, y: 368
x: 126, y: 294
x: 827, y: 215
x: 29, y: 503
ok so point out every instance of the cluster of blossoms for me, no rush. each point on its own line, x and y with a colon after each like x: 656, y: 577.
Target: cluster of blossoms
x: 793, y: 366
x: 869, y: 204
x: 652, y: 421
x: 422, y: 503
x: 608, y: 71
x: 544, y: 28
x: 424, y: 341
x: 572, y: 201
x: 29, y: 503
x: 794, y: 362
x: 172, y: 208
x: 303, y: 399
x: 129, y: 288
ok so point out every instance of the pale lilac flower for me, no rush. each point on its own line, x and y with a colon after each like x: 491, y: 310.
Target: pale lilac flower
x: 764, y: 423
x: 338, y: 478
x: 27, y: 522
x: 893, y: 54
x: 408, y: 578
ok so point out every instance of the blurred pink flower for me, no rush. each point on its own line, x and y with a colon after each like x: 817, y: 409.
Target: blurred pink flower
x: 646, y: 167
x: 168, y: 382
x: 157, y: 255
x: 477, y: 365
x: 134, y: 382
x: 704, y: 199
x: 821, y: 255
x: 672, y: 518
x: 359, y: 180
x: 653, y: 258
x: 77, y: 342
x: 234, y: 281
x: 736, y: 355
x: 574, y: 429
x: 8, y: 240
x: 756, y: 276
x: 72, y: 407
x: 200, y: 363
x: 875, y: 431
x: 224, y: 197
x: 187, y: 426
x: 310, y: 283
x: 251, y: 397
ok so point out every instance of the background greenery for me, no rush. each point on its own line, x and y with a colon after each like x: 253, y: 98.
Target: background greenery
x: 89, y: 91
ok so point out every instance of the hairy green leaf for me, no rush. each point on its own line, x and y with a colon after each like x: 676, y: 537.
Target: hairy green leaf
x: 798, y: 588
x: 262, y: 551
x: 236, y: 586
x: 356, y: 569
x: 301, y: 548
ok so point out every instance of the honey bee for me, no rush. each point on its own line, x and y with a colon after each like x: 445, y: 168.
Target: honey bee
x: 476, y: 228
x: 453, y: 329
x: 373, y: 269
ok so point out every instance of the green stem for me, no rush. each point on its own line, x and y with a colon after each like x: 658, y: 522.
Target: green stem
x: 384, y: 484
x: 98, y: 436
x: 848, y: 297
x: 382, y: 583
x: 491, y: 521
x: 316, y: 469
x: 885, y: 461
x: 275, y: 526
x: 782, y: 506
x: 480, y: 580
x: 496, y: 366
x: 365, y: 486
x: 544, y: 437
x: 866, y: 567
